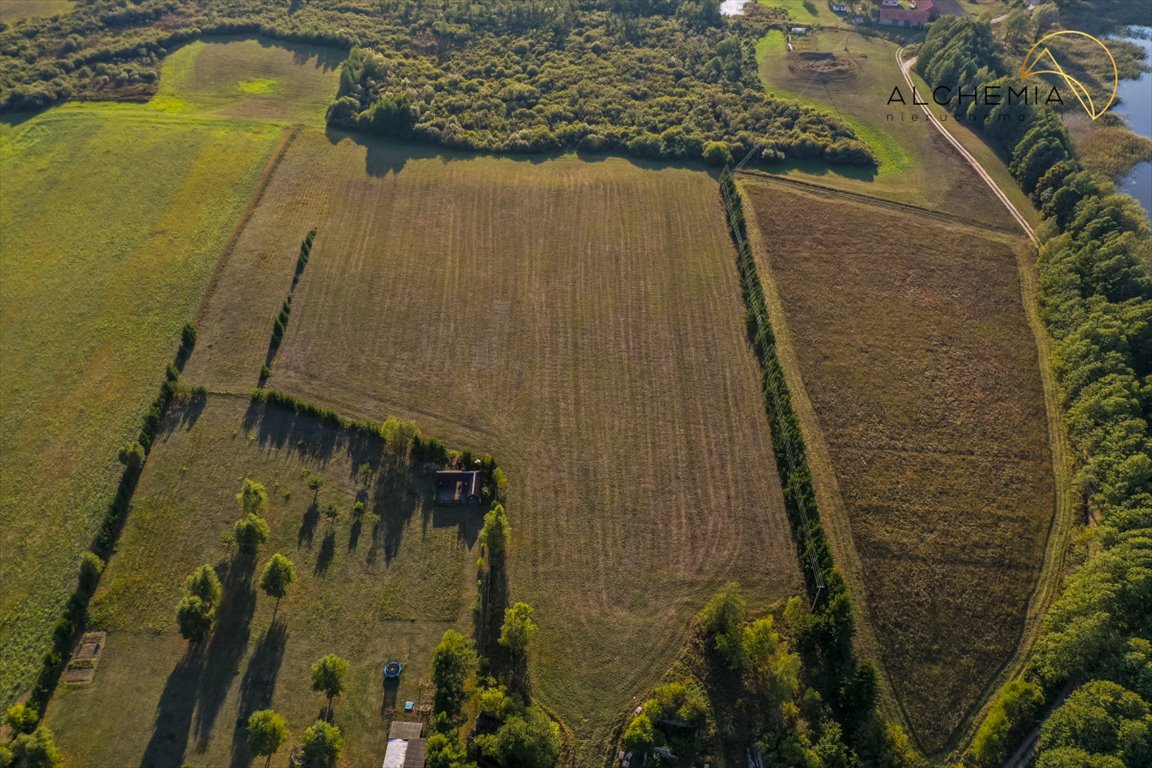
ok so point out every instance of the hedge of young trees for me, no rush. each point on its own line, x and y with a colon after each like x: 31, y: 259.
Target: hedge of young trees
x: 651, y: 78
x: 1096, y: 301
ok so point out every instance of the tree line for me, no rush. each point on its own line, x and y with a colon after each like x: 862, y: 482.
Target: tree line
x: 487, y: 675
x: 1096, y: 301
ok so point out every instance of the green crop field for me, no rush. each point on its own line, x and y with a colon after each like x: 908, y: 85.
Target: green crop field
x: 807, y: 12
x: 582, y: 322
x: 102, y: 266
x: 250, y: 78
x: 926, y: 421
x: 19, y: 9
x: 368, y: 592
x: 112, y: 220
x: 852, y: 75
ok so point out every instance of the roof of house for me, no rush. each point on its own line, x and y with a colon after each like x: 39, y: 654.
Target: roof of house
x: 473, y: 482
x: 405, y: 753
x: 921, y: 14
x: 405, y: 729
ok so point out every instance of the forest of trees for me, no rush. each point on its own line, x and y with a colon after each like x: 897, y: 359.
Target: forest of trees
x: 1096, y: 300
x: 658, y: 86
x: 650, y: 78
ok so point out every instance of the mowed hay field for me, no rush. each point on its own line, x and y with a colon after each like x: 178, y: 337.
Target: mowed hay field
x: 366, y: 591
x: 112, y: 219
x: 916, y: 354
x: 582, y: 322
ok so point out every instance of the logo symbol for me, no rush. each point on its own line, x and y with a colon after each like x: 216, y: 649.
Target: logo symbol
x: 1029, y: 68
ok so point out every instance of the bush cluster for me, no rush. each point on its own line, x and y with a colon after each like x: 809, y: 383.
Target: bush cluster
x: 654, y: 86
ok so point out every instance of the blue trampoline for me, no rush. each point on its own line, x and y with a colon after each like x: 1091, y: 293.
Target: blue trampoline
x: 393, y: 669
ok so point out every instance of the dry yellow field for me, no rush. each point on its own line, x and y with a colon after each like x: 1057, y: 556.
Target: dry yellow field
x: 914, y: 349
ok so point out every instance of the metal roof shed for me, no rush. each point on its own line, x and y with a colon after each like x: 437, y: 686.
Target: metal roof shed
x: 405, y: 753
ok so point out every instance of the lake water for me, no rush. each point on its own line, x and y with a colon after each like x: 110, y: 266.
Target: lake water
x: 1136, y: 106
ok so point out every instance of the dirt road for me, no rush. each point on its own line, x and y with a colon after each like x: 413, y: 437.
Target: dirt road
x: 905, y: 68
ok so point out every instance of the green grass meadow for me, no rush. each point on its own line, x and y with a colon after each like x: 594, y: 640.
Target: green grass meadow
x: 250, y: 78
x: 808, y: 12
x: 917, y: 165
x: 112, y: 220
x: 367, y: 591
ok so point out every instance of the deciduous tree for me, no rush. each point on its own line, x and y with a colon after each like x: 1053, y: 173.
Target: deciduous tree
x: 452, y: 663
x: 329, y: 676
x: 195, y: 618
x: 278, y: 575
x: 266, y: 732
x: 204, y: 584
x: 322, y: 743
x: 250, y: 532
x: 518, y: 628
x: 253, y: 498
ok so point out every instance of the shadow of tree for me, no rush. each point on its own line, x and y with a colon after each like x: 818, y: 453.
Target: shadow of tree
x: 396, y: 498
x: 227, y: 645
x: 258, y: 685
x: 308, y: 525
x: 354, y: 533
x: 327, y: 552
x: 174, y: 713
x: 391, y: 692
x: 183, y: 412
x: 489, y: 616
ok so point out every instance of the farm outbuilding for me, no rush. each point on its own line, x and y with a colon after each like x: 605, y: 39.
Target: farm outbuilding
x: 917, y: 16
x: 406, y: 748
x: 459, y: 487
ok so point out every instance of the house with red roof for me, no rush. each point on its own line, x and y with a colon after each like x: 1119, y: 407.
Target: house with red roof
x: 918, y: 14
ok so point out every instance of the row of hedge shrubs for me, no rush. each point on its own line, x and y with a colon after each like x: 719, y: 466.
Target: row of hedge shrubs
x: 281, y: 323
x: 401, y: 434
